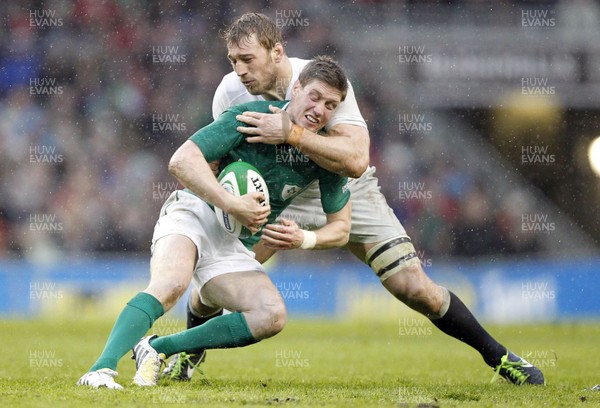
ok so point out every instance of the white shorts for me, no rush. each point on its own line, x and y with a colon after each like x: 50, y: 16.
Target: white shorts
x: 372, y: 219
x: 218, y: 251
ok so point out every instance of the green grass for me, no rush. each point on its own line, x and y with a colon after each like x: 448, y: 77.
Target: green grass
x: 311, y: 363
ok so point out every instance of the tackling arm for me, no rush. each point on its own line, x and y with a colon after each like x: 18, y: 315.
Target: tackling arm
x: 344, y: 150
x: 288, y: 235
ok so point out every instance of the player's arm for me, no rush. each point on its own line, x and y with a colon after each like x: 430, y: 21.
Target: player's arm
x: 335, y: 199
x: 288, y: 235
x: 344, y: 150
x: 190, y: 166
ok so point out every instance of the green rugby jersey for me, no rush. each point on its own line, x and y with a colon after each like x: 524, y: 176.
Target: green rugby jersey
x: 285, y: 169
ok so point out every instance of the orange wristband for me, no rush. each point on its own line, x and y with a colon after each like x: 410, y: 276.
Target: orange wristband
x: 295, y: 137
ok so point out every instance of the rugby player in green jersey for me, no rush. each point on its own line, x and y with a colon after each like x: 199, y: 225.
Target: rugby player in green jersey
x: 189, y: 243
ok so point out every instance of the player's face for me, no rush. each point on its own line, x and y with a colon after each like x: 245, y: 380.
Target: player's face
x: 312, y: 105
x: 254, y: 65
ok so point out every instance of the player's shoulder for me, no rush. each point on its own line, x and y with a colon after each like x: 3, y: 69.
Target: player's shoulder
x: 231, y: 82
x: 232, y: 90
x: 298, y: 63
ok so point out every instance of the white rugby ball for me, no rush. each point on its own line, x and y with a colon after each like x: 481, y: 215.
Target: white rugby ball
x: 240, y: 178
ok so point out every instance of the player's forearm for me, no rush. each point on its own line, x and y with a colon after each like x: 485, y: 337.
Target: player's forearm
x: 190, y: 167
x: 344, y: 151
x: 333, y: 235
x: 336, y: 232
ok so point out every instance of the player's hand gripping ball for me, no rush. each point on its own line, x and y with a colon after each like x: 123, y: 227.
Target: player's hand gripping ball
x: 240, y: 178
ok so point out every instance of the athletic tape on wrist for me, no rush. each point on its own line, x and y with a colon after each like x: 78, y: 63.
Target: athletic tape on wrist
x: 309, y: 241
x: 295, y: 137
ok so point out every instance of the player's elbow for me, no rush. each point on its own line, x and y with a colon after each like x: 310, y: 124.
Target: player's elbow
x: 344, y: 239
x: 346, y: 236
x: 356, y: 166
x: 351, y: 166
x: 356, y: 163
x: 180, y: 160
x: 176, y: 164
x: 343, y: 235
x: 354, y: 160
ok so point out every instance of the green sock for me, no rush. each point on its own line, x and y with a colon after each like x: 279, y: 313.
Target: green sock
x: 131, y: 325
x: 227, y: 331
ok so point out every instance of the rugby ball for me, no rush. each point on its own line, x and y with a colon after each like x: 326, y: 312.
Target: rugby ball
x: 240, y: 178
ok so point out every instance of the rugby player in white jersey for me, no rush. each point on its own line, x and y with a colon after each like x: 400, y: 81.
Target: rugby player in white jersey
x: 263, y: 71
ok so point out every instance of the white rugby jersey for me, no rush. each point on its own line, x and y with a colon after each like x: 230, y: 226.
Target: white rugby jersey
x: 231, y: 91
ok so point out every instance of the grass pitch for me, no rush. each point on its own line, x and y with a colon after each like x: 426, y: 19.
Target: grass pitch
x: 311, y: 363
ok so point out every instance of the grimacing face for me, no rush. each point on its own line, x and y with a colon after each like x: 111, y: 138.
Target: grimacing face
x: 254, y: 65
x: 313, y: 104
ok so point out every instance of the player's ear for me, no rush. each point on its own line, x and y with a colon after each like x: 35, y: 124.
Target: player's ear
x: 277, y: 52
x: 297, y: 88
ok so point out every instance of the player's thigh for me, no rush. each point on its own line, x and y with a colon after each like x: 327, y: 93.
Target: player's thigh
x: 373, y: 221
x: 179, y: 234
x: 172, y: 266
x: 241, y: 291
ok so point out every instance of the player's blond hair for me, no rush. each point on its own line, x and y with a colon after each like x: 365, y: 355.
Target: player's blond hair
x: 266, y: 31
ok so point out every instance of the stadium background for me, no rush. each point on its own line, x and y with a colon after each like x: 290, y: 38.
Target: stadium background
x: 480, y: 117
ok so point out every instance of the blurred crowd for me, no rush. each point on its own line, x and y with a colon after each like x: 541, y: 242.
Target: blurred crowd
x: 95, y: 96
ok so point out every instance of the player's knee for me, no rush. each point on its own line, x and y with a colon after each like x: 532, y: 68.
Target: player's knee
x: 270, y: 319
x: 416, y: 286
x: 168, y: 292
x: 407, y: 283
x: 278, y: 318
x: 413, y: 287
